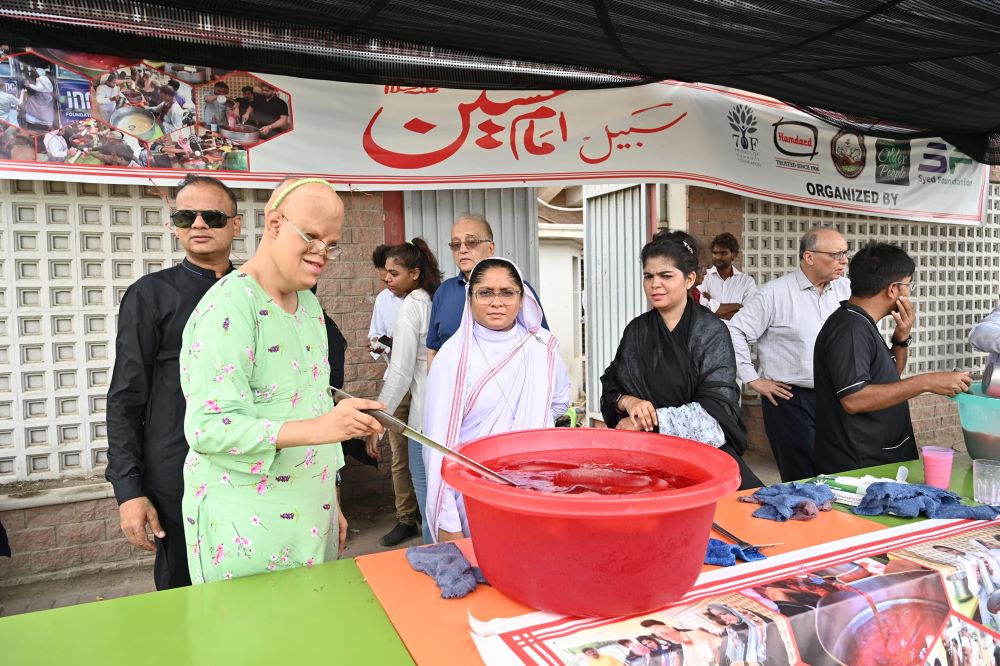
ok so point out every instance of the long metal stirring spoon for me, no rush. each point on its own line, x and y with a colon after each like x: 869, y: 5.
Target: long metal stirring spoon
x: 393, y: 424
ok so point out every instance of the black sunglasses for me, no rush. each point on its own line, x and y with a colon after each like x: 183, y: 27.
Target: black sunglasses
x: 183, y: 219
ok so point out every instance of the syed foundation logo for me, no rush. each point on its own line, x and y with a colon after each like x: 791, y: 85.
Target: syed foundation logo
x: 796, y: 140
x: 744, y: 124
x: 848, y: 152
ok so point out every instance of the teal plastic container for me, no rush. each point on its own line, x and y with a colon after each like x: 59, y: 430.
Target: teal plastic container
x: 980, y: 417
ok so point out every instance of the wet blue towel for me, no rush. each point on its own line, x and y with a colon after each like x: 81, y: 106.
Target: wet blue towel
x: 791, y: 501
x: 909, y: 500
x: 446, y: 564
x: 723, y: 554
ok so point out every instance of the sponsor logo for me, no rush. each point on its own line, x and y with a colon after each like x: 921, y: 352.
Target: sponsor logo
x: 847, y: 150
x: 744, y: 125
x: 796, y: 140
x: 938, y: 165
x: 892, y: 162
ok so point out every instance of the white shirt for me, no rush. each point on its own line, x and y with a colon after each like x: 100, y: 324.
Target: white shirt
x: 408, y: 363
x: 737, y: 289
x: 784, y: 318
x: 384, y: 314
x: 985, y: 336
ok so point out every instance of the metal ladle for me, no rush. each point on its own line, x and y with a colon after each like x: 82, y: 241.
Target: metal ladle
x: 392, y: 424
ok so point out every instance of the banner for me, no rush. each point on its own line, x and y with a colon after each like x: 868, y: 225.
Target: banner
x: 87, y: 117
x: 918, y: 595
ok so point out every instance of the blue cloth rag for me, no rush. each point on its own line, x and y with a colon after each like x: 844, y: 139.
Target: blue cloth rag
x: 791, y: 501
x: 911, y: 499
x: 722, y: 554
x: 446, y: 564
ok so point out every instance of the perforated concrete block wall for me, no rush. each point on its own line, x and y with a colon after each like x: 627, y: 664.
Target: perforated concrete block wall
x: 68, y: 252
x: 958, y: 269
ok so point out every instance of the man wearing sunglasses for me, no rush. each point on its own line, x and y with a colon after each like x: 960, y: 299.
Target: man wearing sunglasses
x: 146, y: 444
x: 471, y: 242
x: 862, y: 405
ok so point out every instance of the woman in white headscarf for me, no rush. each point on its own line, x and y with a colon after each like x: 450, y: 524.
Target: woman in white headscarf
x: 500, y: 372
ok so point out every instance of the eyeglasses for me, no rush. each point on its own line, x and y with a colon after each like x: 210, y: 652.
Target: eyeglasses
x: 471, y: 243
x: 316, y: 246
x: 486, y: 296
x: 836, y: 256
x: 185, y: 219
x: 912, y: 285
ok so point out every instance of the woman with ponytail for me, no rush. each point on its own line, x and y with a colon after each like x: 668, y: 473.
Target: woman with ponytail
x: 675, y: 370
x: 412, y: 274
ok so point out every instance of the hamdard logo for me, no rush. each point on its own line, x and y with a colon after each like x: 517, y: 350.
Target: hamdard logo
x: 939, y: 164
x: 744, y: 123
x: 796, y: 139
x: 847, y: 150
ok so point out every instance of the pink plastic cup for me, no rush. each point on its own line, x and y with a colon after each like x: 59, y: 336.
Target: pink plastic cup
x: 937, y: 465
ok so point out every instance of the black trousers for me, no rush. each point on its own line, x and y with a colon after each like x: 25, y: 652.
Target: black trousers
x: 170, y: 568
x: 791, y: 431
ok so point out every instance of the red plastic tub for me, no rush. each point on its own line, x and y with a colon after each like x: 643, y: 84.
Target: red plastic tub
x: 594, y: 555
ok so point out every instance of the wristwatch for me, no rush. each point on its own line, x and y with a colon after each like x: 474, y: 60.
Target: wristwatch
x: 902, y: 343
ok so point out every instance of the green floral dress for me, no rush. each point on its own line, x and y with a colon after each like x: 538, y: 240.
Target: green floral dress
x: 247, y: 366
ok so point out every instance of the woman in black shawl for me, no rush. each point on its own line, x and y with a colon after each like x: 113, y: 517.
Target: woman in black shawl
x: 675, y: 370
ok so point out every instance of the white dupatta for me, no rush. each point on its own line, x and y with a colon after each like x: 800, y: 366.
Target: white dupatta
x: 484, y: 382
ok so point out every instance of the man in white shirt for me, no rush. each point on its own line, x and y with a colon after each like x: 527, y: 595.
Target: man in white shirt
x: 784, y: 317
x: 725, y: 289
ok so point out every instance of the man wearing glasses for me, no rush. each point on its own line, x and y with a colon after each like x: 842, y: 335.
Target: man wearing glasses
x: 784, y: 317
x: 862, y: 413
x: 471, y: 242
x: 146, y: 445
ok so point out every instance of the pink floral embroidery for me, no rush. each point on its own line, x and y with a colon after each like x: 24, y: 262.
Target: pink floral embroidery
x: 250, y: 355
x: 310, y: 561
x: 309, y: 458
x: 255, y: 520
x: 314, y: 531
x: 219, y: 555
x: 234, y: 451
x: 224, y: 478
x: 262, y: 486
x: 325, y: 475
x: 229, y: 574
x: 271, y: 567
x: 257, y: 467
x: 315, y: 371
x: 229, y: 369
x: 200, y: 492
x: 213, y: 406
x: 295, y: 399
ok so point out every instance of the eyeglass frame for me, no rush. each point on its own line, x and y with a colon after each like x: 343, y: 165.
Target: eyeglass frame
x: 911, y: 284
x: 836, y: 256
x: 331, y: 251
x: 496, y: 295
x: 472, y: 244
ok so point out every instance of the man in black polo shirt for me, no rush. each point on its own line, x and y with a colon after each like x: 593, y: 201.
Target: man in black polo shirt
x: 270, y: 112
x: 862, y: 415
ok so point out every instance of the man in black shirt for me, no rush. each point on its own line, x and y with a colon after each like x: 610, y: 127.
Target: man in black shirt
x: 862, y: 415
x: 145, y: 413
x: 270, y: 112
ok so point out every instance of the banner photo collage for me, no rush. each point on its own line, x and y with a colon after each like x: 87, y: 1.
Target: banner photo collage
x: 934, y: 603
x: 98, y: 118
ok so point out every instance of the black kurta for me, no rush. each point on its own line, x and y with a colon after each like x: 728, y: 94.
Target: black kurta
x: 145, y: 417
x: 693, y: 363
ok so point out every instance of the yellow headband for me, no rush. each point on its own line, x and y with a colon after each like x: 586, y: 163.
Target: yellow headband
x: 296, y: 184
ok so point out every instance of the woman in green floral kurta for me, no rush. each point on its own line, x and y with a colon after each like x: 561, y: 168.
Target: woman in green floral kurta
x: 260, y: 479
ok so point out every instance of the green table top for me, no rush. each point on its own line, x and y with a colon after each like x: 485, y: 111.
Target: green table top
x: 325, y: 614
x: 961, y: 482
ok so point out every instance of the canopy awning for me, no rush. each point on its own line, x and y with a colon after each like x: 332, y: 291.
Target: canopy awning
x: 885, y: 67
